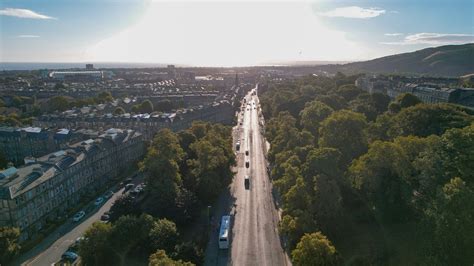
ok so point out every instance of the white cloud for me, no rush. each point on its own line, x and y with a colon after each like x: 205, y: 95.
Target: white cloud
x: 226, y: 34
x: 23, y: 13
x: 27, y: 36
x: 434, y: 39
x: 353, y: 12
x: 393, y: 34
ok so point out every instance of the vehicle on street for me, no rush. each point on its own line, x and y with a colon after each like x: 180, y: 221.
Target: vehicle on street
x: 128, y: 187
x: 224, y: 232
x: 98, y: 201
x: 247, y: 152
x: 104, y: 218
x: 128, y: 180
x: 78, y: 216
x: 247, y: 182
x: 69, y: 255
x: 108, y: 194
x: 237, y: 146
x: 247, y: 164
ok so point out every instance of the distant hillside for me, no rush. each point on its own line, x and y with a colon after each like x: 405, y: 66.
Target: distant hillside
x: 449, y: 60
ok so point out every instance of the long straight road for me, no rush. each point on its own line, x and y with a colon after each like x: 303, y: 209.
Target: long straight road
x: 255, y: 239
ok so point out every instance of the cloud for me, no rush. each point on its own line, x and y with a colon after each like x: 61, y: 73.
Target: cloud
x: 23, y: 13
x: 434, y: 39
x: 28, y: 36
x: 353, y: 12
x: 393, y: 34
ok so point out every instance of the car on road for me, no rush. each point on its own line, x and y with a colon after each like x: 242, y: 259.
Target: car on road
x: 247, y: 182
x: 128, y: 180
x: 108, y: 194
x: 104, y: 218
x: 247, y: 152
x: 128, y: 187
x: 98, y: 201
x: 70, y: 256
x: 78, y: 216
x: 247, y: 164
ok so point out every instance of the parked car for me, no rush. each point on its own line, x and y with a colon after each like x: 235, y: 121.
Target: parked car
x: 247, y: 182
x: 108, y: 194
x: 247, y: 164
x: 78, y: 216
x: 129, y: 186
x: 98, y: 201
x: 105, y: 218
x: 69, y: 255
x: 247, y: 152
x: 128, y: 180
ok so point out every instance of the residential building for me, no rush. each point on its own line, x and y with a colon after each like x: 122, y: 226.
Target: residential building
x: 51, y: 186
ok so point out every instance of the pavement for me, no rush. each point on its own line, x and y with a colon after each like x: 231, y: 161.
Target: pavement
x: 50, y: 250
x: 255, y: 216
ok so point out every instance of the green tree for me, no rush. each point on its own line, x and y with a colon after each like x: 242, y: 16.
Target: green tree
x: 427, y: 119
x: 407, y: 99
x: 161, y: 168
x: 313, y: 114
x: 348, y: 92
x: 451, y: 217
x: 163, y: 235
x: 146, y: 106
x: 159, y: 258
x: 346, y: 131
x: 314, y: 250
x: 96, y: 248
x: 164, y: 106
x: 124, y: 205
x: 104, y: 97
x: 58, y: 103
x: 378, y: 175
x: 119, y: 111
x: 9, y: 246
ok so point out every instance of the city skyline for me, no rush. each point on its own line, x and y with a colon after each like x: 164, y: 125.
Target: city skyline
x: 229, y: 33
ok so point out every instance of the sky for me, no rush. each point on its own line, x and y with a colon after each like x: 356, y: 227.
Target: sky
x: 226, y: 32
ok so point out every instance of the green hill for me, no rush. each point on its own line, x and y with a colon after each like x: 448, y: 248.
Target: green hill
x: 448, y: 60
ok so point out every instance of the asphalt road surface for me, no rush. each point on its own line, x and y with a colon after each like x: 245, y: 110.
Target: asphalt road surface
x: 43, y: 254
x: 255, y: 239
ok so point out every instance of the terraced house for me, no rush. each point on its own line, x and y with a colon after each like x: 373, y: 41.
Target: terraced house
x: 48, y: 187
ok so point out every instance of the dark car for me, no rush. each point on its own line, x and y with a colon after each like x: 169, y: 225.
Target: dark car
x: 247, y: 164
x: 69, y: 255
x: 128, y: 180
x: 128, y: 187
x: 247, y: 182
x: 105, y: 218
x: 247, y: 152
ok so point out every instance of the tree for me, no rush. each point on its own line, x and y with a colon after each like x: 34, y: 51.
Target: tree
x: 348, y: 92
x: 451, y: 217
x: 378, y: 175
x: 427, y: 119
x: 346, y: 131
x: 9, y: 246
x: 105, y: 96
x: 314, y: 250
x: 95, y: 249
x: 313, y: 114
x: 159, y: 258
x: 164, y: 106
x: 407, y: 99
x: 163, y: 235
x: 58, y: 103
x: 161, y: 168
x: 123, y: 205
x: 119, y: 111
x: 146, y: 106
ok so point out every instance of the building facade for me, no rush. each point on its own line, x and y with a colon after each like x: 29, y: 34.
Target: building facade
x: 51, y: 186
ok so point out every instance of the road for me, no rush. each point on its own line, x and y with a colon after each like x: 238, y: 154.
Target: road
x: 254, y: 239
x: 50, y: 250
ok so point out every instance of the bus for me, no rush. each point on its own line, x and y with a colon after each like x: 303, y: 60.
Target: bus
x: 224, y: 232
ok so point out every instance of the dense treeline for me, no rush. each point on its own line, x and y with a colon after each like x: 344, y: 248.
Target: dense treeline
x: 183, y: 172
x: 387, y: 182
